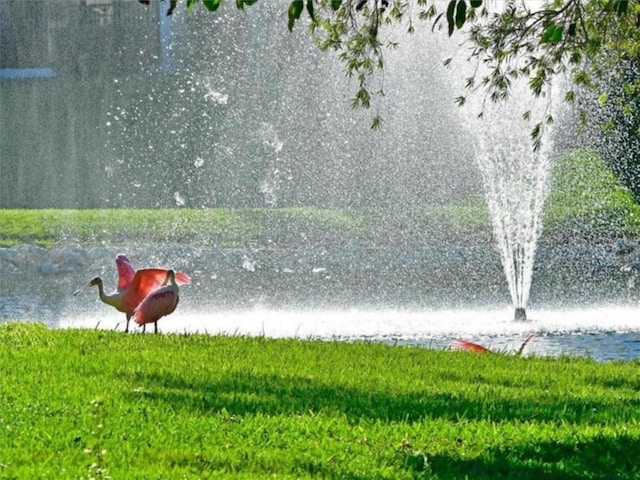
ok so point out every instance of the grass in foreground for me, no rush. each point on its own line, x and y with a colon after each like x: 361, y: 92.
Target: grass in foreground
x: 81, y: 404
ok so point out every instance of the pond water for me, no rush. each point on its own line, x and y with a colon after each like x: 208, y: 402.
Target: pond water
x: 604, y: 333
x: 421, y: 297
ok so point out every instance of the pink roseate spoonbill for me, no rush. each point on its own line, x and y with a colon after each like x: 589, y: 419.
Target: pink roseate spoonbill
x: 159, y: 303
x: 468, y: 346
x: 474, y: 347
x: 133, y: 286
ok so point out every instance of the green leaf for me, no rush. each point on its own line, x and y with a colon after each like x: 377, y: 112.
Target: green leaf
x: 602, y: 98
x: 581, y: 77
x: 546, y: 36
x: 295, y: 9
x: 608, y: 126
x: 211, y: 5
x: 172, y: 6
x: 451, y: 9
x: 575, y: 58
x: 476, y: 3
x: 461, y: 13
x: 553, y: 34
x: 536, y: 134
x: 190, y: 4
x: 310, y: 10
x: 335, y: 4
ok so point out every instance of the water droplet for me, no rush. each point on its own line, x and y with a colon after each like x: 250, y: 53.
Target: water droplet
x: 248, y: 264
x: 217, y: 97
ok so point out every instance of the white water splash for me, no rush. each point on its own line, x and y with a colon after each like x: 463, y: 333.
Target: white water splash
x: 603, y: 333
x: 515, y: 178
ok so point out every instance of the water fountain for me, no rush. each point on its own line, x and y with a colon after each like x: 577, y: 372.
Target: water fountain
x: 264, y: 121
x: 515, y: 179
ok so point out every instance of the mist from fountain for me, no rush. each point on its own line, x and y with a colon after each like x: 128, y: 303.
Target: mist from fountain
x: 515, y: 170
x: 515, y: 178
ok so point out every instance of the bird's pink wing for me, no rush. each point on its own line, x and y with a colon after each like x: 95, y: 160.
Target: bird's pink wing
x: 182, y: 278
x: 156, y: 305
x: 144, y: 282
x: 126, y: 272
x: 468, y: 346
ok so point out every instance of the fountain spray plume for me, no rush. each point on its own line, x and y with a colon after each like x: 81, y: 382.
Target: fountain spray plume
x: 515, y: 173
x: 515, y: 180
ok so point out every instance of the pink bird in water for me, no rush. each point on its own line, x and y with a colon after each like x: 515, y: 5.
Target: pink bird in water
x: 133, y: 286
x: 159, y: 303
x: 475, y: 347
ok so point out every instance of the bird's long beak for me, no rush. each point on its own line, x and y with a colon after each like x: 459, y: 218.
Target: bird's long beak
x: 80, y: 290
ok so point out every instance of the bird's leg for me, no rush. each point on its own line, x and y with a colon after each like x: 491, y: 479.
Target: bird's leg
x: 144, y: 327
x: 126, y: 328
x: 155, y: 327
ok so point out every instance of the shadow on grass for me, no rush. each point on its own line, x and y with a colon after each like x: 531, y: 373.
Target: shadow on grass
x: 600, y: 458
x: 267, y: 394
x: 242, y: 394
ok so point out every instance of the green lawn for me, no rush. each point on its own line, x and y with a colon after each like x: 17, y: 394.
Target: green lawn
x: 102, y: 404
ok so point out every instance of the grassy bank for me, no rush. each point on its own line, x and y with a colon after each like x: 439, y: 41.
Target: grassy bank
x: 81, y: 404
x: 226, y: 227
x: 586, y: 201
